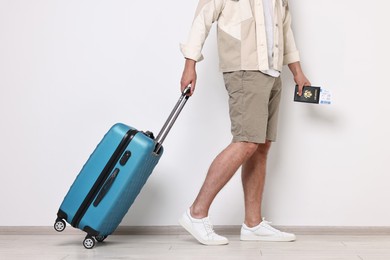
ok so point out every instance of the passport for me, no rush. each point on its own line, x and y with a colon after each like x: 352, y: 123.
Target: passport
x: 310, y: 94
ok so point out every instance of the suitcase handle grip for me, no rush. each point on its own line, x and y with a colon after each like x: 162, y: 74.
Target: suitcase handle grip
x: 172, y: 118
x: 107, y: 186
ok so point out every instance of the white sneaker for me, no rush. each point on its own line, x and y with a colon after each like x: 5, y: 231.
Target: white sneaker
x: 265, y: 232
x: 202, y: 230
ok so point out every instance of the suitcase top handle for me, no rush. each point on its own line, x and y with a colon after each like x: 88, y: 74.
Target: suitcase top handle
x: 172, y: 118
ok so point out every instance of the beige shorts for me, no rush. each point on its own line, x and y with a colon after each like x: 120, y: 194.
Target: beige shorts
x: 253, y: 105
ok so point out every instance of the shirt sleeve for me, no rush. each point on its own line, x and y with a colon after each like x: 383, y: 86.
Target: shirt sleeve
x: 206, y: 14
x: 291, y: 54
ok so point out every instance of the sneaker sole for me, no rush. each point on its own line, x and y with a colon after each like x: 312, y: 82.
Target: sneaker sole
x: 200, y: 240
x: 266, y: 238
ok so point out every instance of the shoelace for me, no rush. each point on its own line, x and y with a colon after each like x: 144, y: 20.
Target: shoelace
x: 265, y: 221
x: 209, y: 227
x: 267, y: 224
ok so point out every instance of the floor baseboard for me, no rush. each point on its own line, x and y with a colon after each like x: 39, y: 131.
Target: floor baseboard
x: 177, y: 230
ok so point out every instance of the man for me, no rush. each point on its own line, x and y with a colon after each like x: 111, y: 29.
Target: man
x: 255, y: 40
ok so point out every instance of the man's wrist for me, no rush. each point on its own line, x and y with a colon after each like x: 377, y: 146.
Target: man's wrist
x: 190, y: 63
x: 295, y: 68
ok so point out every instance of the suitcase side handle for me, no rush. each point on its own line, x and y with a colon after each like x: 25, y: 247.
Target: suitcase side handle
x: 172, y: 118
x: 107, y: 186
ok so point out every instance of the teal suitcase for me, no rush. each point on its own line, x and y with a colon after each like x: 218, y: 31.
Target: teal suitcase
x: 111, y: 179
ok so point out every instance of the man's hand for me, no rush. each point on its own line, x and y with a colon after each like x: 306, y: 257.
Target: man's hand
x: 299, y: 78
x: 189, y: 76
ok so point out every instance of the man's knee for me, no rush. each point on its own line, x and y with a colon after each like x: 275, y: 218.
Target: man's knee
x: 249, y: 148
x: 264, y: 148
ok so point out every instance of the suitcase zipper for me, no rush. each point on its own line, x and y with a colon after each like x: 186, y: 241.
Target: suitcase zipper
x: 103, y: 177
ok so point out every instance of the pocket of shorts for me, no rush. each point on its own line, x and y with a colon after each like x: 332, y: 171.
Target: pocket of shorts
x: 233, y: 81
x: 226, y: 76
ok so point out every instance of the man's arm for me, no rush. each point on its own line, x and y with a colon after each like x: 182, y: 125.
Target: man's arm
x: 206, y: 14
x: 299, y: 78
x: 189, y: 75
x: 291, y: 54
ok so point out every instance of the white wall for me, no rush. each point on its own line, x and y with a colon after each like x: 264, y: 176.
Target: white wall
x: 70, y: 69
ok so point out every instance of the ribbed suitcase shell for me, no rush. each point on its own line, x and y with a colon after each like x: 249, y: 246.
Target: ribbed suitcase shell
x: 106, y: 216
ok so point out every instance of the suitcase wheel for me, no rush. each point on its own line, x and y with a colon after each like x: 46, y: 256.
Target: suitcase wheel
x: 100, y: 238
x: 89, y: 242
x: 59, y: 225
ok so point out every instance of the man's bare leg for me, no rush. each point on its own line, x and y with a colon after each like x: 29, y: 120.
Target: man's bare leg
x: 220, y: 172
x: 253, y: 178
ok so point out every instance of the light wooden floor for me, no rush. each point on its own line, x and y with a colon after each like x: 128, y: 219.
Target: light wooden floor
x: 181, y: 246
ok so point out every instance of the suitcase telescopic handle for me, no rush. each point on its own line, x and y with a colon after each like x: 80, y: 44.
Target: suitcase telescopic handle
x: 172, y: 118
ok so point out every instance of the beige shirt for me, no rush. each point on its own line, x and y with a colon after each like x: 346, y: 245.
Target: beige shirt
x: 241, y: 33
